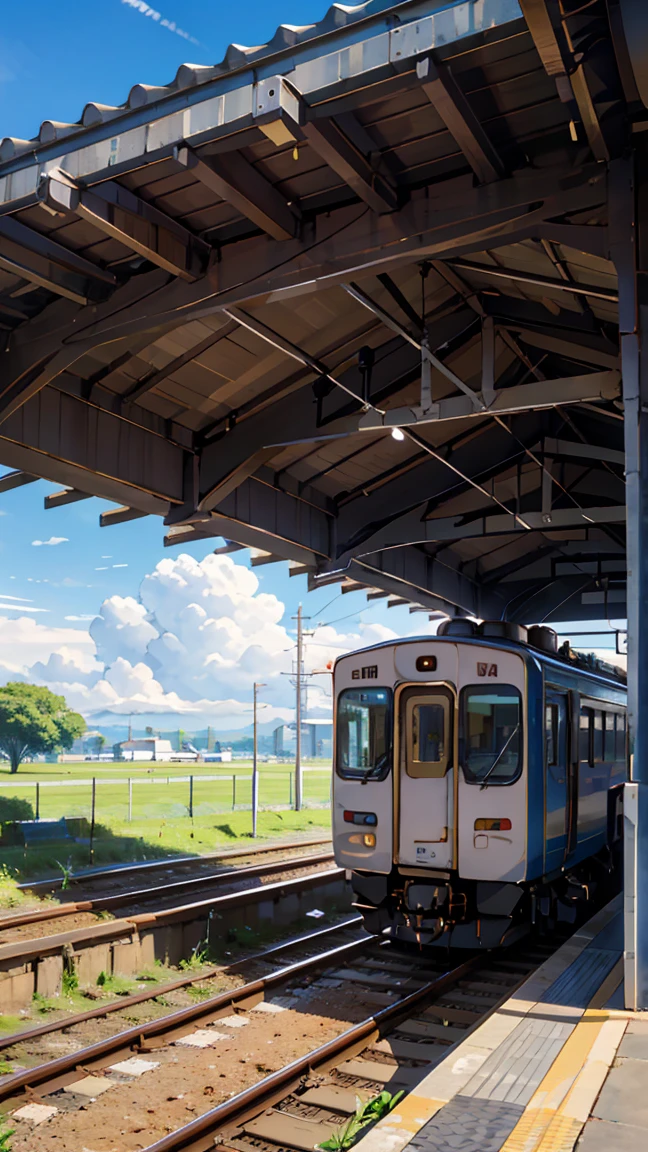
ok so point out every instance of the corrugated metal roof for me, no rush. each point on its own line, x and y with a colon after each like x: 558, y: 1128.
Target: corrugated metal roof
x: 237, y: 56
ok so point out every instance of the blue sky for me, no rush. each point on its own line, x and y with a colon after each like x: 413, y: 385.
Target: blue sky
x: 54, y: 58
x: 57, y: 56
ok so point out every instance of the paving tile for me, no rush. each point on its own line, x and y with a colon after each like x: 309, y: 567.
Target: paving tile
x: 268, y: 1006
x: 234, y: 1021
x: 203, y: 1038
x: 635, y: 1042
x: 467, y: 1125
x: 624, y: 1096
x: 134, y: 1066
x: 35, y: 1113
x: 604, y: 1136
x: 90, y: 1086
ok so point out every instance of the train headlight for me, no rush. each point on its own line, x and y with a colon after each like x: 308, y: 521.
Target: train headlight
x: 369, y: 840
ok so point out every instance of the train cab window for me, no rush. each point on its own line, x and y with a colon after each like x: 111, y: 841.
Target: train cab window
x: 620, y: 742
x: 491, y: 734
x: 363, y: 747
x: 609, y: 751
x: 597, y: 737
x: 551, y: 734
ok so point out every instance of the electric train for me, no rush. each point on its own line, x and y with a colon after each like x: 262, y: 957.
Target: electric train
x: 477, y: 784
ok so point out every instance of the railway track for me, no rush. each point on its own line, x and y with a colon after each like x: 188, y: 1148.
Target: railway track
x: 404, y: 1012
x: 133, y: 898
x: 96, y: 877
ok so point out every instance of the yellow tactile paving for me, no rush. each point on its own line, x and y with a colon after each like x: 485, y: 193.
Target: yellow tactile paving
x: 413, y: 1111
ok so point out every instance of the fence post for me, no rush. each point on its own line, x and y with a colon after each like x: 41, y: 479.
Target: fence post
x: 191, y: 787
x: 130, y: 799
x: 38, y: 799
x: 92, y: 818
x: 233, y: 792
x: 292, y: 777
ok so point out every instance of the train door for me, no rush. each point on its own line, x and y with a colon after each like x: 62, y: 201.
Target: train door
x: 425, y: 800
x: 556, y: 777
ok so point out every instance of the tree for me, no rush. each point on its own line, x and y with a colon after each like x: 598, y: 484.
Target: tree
x: 34, y: 720
x: 99, y: 742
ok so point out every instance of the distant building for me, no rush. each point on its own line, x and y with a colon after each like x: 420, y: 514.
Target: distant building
x: 150, y: 748
x: 316, y: 735
x: 223, y: 756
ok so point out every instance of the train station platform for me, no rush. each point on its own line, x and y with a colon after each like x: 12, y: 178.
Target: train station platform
x: 558, y: 1066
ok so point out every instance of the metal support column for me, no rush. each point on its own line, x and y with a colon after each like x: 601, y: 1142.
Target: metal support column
x: 628, y: 213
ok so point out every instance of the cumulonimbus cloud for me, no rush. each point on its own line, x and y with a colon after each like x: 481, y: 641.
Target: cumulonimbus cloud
x: 192, y: 644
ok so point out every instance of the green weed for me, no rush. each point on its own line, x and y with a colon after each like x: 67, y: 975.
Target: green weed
x: 365, y: 1114
x: 5, y: 1136
x: 196, y: 961
x: 70, y: 981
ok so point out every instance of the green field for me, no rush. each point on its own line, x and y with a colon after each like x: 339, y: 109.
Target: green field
x: 146, y: 811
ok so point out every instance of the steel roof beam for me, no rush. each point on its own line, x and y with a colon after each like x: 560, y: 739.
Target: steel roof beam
x: 117, y: 212
x: 414, y: 529
x: 553, y: 43
x: 46, y: 264
x: 120, y: 516
x: 443, y: 91
x: 284, y: 116
x: 153, y: 379
x: 16, y: 479
x: 352, y: 165
x: 571, y: 346
x: 65, y: 496
x: 238, y: 182
x: 426, y: 227
x: 520, y: 277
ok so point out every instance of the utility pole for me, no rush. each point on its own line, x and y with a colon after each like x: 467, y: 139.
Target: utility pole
x: 298, y: 714
x: 255, y: 767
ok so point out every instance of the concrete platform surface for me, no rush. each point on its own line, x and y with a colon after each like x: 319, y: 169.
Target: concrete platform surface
x: 559, y: 1066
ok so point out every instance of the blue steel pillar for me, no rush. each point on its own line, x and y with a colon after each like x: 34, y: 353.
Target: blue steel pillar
x: 628, y: 206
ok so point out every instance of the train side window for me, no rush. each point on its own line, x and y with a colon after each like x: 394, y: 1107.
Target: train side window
x: 585, y: 735
x: 620, y: 736
x: 609, y: 752
x: 551, y: 734
x: 597, y: 737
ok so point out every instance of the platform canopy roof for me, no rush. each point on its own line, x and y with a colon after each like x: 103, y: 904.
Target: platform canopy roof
x: 220, y: 299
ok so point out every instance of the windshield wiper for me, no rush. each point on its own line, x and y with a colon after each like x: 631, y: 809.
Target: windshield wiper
x: 377, y: 767
x: 499, y: 757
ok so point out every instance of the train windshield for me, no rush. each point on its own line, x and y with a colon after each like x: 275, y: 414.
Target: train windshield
x: 364, y: 733
x: 492, y: 734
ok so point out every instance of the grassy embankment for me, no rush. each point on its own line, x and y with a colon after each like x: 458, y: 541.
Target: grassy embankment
x: 160, y: 824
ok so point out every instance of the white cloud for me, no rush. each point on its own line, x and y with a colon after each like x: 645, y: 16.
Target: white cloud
x: 191, y: 645
x: 53, y: 540
x: 20, y: 608
x: 120, y: 565
x: 5, y: 596
x: 90, y: 616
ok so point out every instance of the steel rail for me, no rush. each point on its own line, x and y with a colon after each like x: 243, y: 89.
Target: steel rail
x: 190, y: 1135
x: 125, y: 1002
x: 30, y: 949
x: 141, y: 895
x: 91, y: 875
x: 173, y: 1022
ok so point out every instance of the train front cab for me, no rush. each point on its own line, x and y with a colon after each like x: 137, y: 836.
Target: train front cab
x: 437, y: 851
x: 475, y: 788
